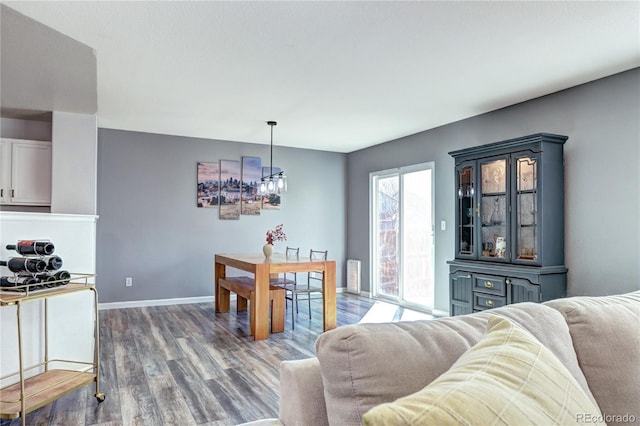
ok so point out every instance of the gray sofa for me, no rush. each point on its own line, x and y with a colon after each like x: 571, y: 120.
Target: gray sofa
x: 359, y: 367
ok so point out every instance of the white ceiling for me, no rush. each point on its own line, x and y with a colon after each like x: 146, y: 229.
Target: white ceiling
x: 336, y: 75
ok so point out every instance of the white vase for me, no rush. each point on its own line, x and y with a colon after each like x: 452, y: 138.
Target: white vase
x: 267, y: 249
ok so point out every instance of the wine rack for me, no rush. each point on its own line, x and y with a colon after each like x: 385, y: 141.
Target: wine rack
x: 37, y: 268
x: 40, y: 384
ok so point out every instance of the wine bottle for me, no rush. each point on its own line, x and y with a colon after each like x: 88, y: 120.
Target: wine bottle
x: 26, y: 247
x: 17, y: 281
x: 47, y: 280
x: 63, y: 277
x: 24, y: 264
x: 53, y: 262
x: 37, y: 286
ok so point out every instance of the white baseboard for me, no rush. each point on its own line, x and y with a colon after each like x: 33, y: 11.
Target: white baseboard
x: 364, y: 294
x: 155, y: 302
x: 164, y: 302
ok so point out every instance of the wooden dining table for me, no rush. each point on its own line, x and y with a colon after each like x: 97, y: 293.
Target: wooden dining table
x: 263, y: 268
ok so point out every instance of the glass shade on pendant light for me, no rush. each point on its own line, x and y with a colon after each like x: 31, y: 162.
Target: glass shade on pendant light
x: 275, y: 183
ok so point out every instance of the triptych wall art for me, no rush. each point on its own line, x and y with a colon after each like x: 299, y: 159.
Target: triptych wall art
x: 234, y: 187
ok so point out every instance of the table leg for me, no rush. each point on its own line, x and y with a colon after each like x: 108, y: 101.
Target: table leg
x: 329, y: 296
x: 260, y: 309
x: 277, y: 309
x: 219, y: 272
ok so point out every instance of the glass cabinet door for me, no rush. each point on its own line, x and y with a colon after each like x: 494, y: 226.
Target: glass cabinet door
x: 526, y: 217
x: 466, y: 220
x: 494, y: 209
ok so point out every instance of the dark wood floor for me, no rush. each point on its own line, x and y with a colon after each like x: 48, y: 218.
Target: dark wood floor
x: 187, y: 365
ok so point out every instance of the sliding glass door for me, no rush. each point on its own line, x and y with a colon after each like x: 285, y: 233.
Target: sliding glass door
x: 402, y: 235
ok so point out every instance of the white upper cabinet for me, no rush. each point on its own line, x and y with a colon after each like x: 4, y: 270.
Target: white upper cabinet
x: 25, y: 174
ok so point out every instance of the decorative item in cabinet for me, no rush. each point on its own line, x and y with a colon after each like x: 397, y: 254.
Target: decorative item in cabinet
x: 40, y: 384
x: 465, y: 218
x: 502, y: 189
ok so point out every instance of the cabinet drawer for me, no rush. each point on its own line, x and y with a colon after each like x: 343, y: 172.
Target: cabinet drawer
x: 486, y: 301
x: 490, y: 284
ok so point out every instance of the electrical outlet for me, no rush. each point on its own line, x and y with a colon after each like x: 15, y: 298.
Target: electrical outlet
x: 128, y: 282
x: 443, y: 225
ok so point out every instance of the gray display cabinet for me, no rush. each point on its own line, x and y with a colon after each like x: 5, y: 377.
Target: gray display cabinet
x: 509, y: 224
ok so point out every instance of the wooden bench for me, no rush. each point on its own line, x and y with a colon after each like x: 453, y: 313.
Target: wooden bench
x: 244, y: 288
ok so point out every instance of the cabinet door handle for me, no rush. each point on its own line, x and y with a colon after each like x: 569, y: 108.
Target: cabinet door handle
x: 488, y: 284
x: 1, y: 192
x: 490, y: 303
x: 13, y: 193
x: 507, y: 281
x: 465, y: 276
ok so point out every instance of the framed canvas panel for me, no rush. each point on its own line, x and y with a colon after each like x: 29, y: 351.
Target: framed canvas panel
x: 271, y: 201
x: 208, y: 179
x: 251, y: 173
x: 230, y: 190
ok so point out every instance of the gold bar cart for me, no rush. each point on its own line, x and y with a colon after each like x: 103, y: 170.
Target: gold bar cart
x: 47, y: 385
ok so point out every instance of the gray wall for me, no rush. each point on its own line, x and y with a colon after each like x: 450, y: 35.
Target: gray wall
x: 43, y: 69
x: 151, y: 230
x: 602, y: 180
x: 74, y: 162
x: 25, y: 129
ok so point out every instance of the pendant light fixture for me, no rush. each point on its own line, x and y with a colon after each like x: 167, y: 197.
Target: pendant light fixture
x: 275, y: 182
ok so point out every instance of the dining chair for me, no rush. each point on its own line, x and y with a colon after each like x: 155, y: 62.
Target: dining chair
x: 287, y: 278
x: 313, y: 285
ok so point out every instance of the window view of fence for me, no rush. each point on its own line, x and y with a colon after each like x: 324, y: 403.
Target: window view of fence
x: 402, y: 228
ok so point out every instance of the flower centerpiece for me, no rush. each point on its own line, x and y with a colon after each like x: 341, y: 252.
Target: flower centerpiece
x: 276, y: 234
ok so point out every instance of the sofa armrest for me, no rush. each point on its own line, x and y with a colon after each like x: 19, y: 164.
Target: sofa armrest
x: 301, y: 393
x: 604, y: 332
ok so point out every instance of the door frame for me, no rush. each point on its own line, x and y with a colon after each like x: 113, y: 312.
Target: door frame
x: 373, y: 237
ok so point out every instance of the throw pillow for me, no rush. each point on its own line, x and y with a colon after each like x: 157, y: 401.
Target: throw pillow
x: 365, y: 365
x: 507, y: 378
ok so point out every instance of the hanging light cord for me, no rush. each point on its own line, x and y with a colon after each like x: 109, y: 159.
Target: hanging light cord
x: 271, y: 123
x: 268, y: 183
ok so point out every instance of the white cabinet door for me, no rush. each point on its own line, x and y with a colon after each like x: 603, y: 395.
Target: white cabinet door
x: 31, y: 173
x: 5, y: 172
